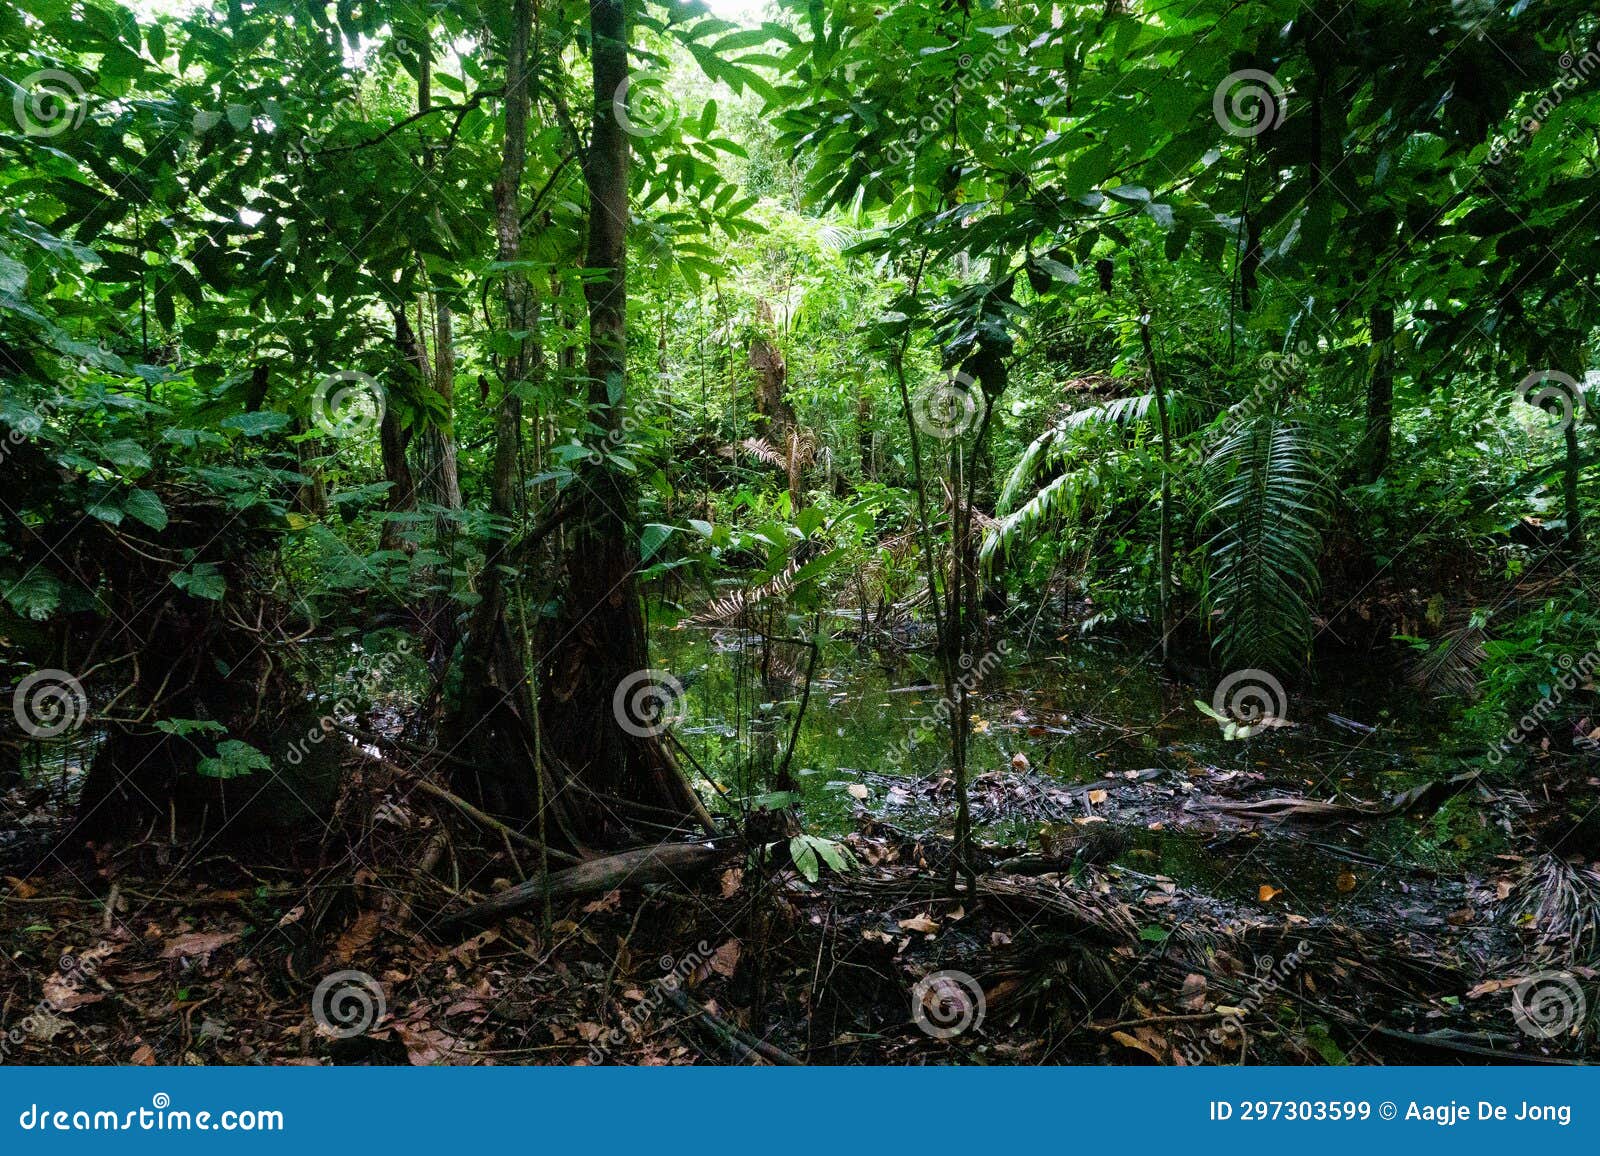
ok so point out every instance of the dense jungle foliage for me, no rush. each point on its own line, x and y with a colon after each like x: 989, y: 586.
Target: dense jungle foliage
x: 389, y: 387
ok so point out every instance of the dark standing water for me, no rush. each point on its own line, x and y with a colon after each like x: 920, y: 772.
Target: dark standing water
x: 1087, y: 711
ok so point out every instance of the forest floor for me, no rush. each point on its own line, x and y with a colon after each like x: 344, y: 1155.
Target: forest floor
x: 1172, y: 914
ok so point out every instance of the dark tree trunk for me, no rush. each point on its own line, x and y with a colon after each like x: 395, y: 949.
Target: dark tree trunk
x: 599, y: 648
x: 392, y: 442
x: 1572, y: 467
x: 1380, y: 395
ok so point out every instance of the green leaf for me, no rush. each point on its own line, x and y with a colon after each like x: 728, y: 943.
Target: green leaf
x: 255, y: 424
x: 805, y: 858
x: 203, y: 581
x: 126, y: 453
x: 189, y: 726
x: 147, y: 507
x: 35, y: 595
x: 233, y: 759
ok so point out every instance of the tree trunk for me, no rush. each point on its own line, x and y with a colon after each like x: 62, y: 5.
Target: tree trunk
x: 492, y: 726
x: 772, y: 403
x: 1380, y: 395
x: 1572, y: 467
x: 599, y: 660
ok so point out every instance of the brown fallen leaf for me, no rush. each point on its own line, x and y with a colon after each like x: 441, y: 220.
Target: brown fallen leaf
x: 357, y: 936
x: 1138, y: 1045
x: 726, y: 959
x: 197, y: 943
x: 144, y: 1055
x: 21, y: 888
x: 920, y: 922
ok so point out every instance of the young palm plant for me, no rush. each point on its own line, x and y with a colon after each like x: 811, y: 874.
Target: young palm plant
x: 1271, y: 505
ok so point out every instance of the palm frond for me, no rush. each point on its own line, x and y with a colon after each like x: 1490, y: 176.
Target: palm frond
x: 1271, y: 507
x: 1053, y: 446
x: 1450, y: 667
x: 1061, y: 499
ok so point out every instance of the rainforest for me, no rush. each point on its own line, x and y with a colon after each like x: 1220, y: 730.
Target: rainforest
x: 799, y: 532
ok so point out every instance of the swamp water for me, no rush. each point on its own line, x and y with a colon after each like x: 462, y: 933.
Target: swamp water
x: 1085, y: 711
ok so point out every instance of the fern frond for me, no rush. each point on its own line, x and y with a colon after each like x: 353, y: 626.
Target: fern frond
x: 766, y: 452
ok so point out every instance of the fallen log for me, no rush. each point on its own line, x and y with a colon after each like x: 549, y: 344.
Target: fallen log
x: 1427, y: 798
x: 658, y: 863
